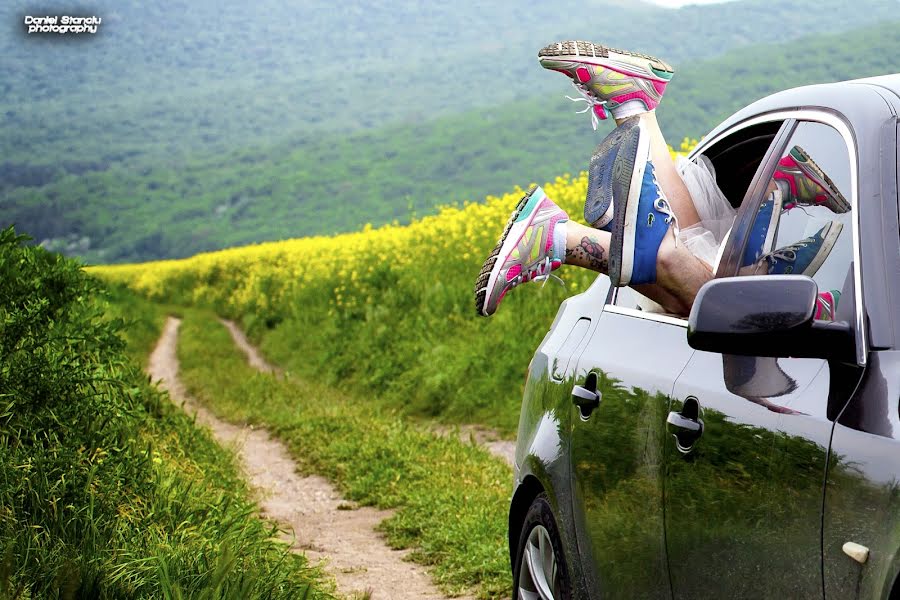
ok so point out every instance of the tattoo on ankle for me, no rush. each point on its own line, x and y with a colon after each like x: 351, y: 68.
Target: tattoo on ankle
x: 590, y: 253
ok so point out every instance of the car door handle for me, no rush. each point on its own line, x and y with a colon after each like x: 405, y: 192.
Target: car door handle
x: 586, y: 397
x: 682, y: 423
x: 686, y: 426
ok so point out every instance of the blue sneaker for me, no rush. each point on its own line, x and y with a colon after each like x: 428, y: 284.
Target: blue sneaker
x: 806, y: 256
x: 621, y: 144
x: 640, y: 222
x: 764, y: 229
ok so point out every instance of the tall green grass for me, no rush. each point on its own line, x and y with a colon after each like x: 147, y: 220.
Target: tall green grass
x: 452, y: 497
x: 390, y: 310
x: 106, y: 489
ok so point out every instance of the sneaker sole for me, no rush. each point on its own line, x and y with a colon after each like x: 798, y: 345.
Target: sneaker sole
x: 580, y: 49
x: 821, y: 178
x: 484, y: 281
x: 828, y: 241
x: 627, y: 179
x: 600, y: 174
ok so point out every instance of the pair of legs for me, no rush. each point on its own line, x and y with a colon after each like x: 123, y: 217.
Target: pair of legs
x: 635, y: 194
x: 679, y: 274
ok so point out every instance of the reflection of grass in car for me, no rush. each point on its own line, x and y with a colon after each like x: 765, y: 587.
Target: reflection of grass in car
x: 619, y: 470
x: 739, y: 483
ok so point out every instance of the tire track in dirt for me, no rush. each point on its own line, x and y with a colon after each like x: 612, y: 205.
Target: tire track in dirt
x: 344, y: 540
x: 483, y: 436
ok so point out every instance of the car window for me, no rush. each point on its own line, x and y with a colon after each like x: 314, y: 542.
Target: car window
x: 803, y: 226
x: 733, y: 161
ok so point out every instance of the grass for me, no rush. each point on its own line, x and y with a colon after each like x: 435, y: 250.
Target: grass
x: 107, y: 490
x: 451, y: 497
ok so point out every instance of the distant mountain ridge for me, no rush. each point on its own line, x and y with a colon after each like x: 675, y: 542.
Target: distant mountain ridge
x: 145, y: 188
x: 166, y: 82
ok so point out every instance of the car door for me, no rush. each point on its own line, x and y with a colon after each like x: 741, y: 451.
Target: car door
x: 632, y: 359
x: 743, y: 494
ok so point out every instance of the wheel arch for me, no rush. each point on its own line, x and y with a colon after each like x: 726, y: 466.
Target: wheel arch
x: 528, y: 490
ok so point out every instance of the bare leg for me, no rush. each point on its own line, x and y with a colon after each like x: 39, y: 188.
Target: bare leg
x: 679, y: 274
x: 672, y: 185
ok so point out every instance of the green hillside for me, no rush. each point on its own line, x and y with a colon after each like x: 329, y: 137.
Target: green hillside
x: 306, y: 187
x: 162, y: 83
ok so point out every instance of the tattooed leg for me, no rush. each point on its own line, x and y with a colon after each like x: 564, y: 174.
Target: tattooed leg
x: 587, y: 247
x: 589, y: 253
x: 679, y: 273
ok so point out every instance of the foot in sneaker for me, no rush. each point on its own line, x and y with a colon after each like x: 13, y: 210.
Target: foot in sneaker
x: 621, y: 82
x: 641, y: 218
x: 622, y: 145
x: 807, y: 183
x: 532, y: 245
x: 806, y: 256
x: 764, y: 228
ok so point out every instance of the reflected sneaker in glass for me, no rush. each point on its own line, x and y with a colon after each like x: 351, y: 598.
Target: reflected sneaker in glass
x: 826, y: 305
x: 764, y: 229
x: 619, y: 81
x: 622, y: 145
x: 807, y: 183
x: 532, y: 245
x: 640, y: 220
x: 806, y: 256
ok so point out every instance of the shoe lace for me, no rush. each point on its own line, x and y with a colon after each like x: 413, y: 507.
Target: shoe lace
x: 538, y: 272
x: 662, y: 205
x: 789, y: 253
x: 591, y: 101
x: 546, y: 274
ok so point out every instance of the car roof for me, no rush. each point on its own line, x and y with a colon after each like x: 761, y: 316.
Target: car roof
x: 889, y: 82
x: 858, y: 99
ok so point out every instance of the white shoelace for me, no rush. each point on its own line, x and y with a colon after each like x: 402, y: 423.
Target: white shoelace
x: 591, y: 102
x: 789, y: 253
x: 663, y: 206
x: 545, y: 269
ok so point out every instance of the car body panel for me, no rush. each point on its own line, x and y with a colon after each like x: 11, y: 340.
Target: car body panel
x: 746, y: 499
x: 542, y: 463
x: 617, y: 453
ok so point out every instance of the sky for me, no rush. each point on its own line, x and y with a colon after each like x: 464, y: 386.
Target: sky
x: 679, y: 3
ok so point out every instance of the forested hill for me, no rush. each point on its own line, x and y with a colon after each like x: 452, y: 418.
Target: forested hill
x: 157, y: 140
x: 166, y: 81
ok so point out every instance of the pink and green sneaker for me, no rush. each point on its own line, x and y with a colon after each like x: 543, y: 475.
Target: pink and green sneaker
x: 532, y: 245
x: 826, y: 305
x: 621, y: 82
x: 807, y: 183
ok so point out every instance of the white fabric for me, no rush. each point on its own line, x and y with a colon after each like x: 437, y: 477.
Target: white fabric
x: 704, y: 239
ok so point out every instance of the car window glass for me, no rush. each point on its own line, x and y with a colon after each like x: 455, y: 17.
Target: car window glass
x: 731, y: 161
x: 803, y: 226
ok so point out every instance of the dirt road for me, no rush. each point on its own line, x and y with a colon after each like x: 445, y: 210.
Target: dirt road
x: 344, y: 540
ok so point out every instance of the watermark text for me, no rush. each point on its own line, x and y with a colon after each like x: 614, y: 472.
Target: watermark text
x: 61, y: 24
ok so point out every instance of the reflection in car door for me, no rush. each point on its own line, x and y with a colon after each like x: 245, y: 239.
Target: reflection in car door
x: 743, y: 502
x: 616, y: 451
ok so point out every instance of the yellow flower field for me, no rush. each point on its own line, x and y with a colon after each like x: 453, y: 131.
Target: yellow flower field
x: 383, y: 306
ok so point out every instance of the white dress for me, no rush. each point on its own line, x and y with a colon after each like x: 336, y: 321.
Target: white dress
x: 704, y: 239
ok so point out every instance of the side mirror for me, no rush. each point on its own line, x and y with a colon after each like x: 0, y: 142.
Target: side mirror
x: 766, y: 315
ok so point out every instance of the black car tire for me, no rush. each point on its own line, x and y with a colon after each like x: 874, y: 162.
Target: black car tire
x: 540, y: 538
